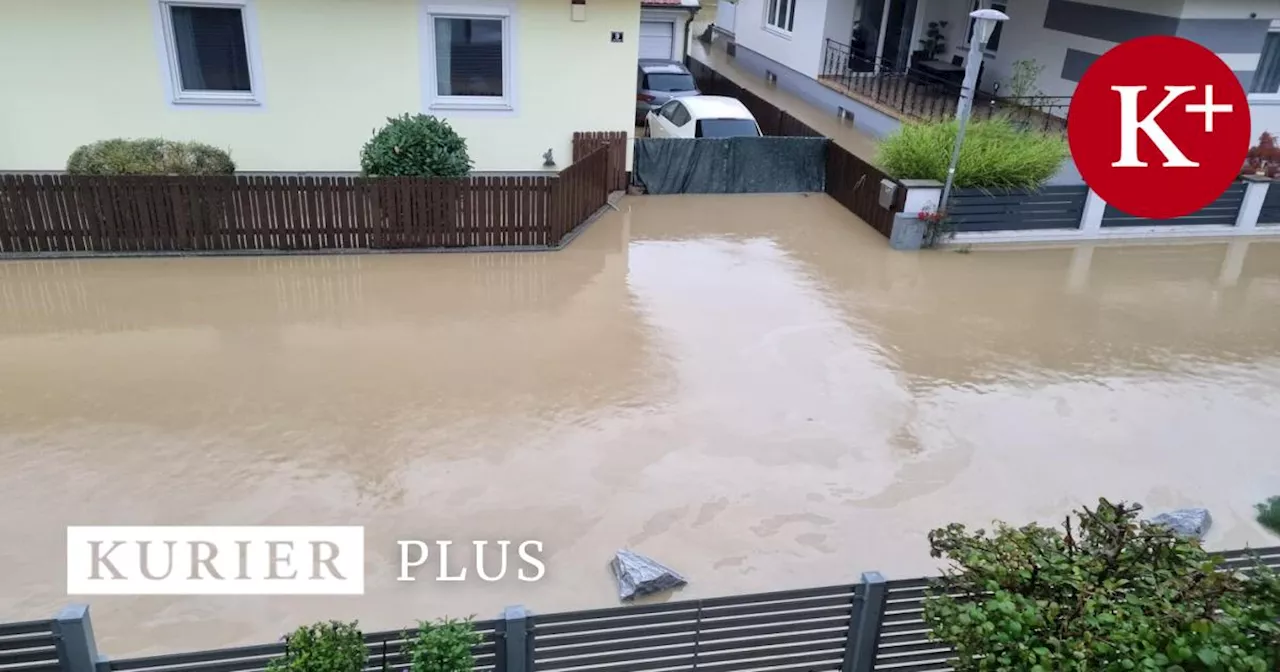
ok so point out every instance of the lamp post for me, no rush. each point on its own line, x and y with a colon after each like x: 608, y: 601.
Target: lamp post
x: 984, y: 23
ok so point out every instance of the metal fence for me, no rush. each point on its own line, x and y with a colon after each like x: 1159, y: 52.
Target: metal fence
x: 1052, y: 207
x: 1270, y: 212
x: 917, y: 93
x: 1222, y: 212
x: 86, y: 215
x: 872, y: 625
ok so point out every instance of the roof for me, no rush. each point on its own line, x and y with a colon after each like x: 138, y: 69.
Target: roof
x: 716, y: 107
x: 687, y: 4
x: 648, y: 65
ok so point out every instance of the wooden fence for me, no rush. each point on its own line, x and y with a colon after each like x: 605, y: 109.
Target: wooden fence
x: 616, y: 143
x: 42, y: 214
x: 854, y: 183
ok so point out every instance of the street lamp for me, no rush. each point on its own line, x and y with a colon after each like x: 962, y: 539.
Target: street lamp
x: 984, y: 23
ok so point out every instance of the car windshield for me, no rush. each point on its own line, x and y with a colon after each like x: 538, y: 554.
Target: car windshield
x: 727, y: 128
x: 669, y: 81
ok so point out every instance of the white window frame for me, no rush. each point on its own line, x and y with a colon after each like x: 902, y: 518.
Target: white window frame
x: 968, y: 31
x: 771, y: 17
x: 172, y: 71
x: 430, y: 86
x: 1272, y: 98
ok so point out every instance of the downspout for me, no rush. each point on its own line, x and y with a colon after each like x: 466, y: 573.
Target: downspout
x: 688, y: 30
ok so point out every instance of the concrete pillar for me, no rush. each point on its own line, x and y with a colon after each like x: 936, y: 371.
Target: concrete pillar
x: 1091, y: 219
x: 922, y: 195
x: 1255, y: 192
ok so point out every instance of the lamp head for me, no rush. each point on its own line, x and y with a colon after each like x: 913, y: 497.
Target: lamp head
x: 985, y: 22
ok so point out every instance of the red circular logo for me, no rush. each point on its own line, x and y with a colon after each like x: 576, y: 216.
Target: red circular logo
x: 1159, y: 127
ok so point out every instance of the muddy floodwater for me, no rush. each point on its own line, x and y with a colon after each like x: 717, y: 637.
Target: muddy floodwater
x: 752, y: 389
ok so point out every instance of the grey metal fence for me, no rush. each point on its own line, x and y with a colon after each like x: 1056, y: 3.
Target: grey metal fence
x: 1271, y: 206
x: 1052, y: 207
x: 872, y: 625
x: 1222, y: 212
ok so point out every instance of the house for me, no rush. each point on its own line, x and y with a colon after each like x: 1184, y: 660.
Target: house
x: 300, y: 85
x: 664, y: 28
x: 817, y: 48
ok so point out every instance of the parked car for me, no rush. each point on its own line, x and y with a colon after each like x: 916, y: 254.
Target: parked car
x: 659, y: 81
x: 702, y: 117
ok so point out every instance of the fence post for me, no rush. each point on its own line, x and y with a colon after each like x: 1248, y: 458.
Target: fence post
x: 1091, y: 216
x: 517, y: 644
x: 1255, y: 192
x: 860, y: 649
x: 77, y: 650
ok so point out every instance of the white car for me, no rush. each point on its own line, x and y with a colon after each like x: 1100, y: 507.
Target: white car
x: 702, y: 117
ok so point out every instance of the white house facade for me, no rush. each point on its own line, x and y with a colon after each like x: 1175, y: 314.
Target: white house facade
x: 300, y: 85
x: 798, y: 40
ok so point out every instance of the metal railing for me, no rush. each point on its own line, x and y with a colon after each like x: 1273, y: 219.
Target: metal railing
x: 919, y: 94
x: 860, y: 627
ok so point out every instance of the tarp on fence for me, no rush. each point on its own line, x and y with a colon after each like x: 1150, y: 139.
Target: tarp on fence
x: 731, y: 165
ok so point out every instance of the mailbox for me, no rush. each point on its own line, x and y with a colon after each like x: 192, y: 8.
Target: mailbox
x: 888, y: 191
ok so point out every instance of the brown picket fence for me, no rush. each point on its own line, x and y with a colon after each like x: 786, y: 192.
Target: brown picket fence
x: 616, y: 144
x: 45, y: 214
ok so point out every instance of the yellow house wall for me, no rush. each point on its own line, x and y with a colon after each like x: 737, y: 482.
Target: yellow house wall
x: 332, y: 70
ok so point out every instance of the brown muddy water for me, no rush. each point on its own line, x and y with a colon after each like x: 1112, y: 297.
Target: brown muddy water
x: 753, y: 389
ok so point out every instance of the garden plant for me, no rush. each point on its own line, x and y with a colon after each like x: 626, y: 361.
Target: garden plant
x: 1106, y: 592
x: 416, y: 146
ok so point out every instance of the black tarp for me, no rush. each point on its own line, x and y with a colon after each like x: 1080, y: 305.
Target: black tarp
x: 731, y: 165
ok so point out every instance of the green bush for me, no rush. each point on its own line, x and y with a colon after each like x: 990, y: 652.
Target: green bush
x: 1106, y: 593
x: 996, y: 154
x: 331, y: 646
x: 149, y: 156
x: 443, y: 646
x: 1269, y: 514
x: 416, y: 146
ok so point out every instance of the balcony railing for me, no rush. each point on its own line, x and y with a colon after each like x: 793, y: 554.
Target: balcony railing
x: 918, y: 94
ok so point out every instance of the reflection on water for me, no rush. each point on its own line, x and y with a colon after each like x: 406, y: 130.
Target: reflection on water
x: 753, y: 389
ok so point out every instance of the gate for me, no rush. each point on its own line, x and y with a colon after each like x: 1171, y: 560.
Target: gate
x: 731, y: 165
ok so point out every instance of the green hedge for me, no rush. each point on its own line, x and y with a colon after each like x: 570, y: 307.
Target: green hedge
x: 416, y: 146
x: 149, y: 156
x: 996, y: 154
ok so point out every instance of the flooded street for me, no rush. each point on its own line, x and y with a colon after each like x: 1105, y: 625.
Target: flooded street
x: 752, y: 389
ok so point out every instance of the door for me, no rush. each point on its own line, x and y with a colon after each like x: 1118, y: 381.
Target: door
x: 656, y: 39
x: 897, y: 34
x: 865, y: 41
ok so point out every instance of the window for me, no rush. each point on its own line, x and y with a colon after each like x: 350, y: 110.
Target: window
x: 472, y: 59
x: 993, y: 44
x: 669, y: 110
x: 781, y: 15
x: 727, y: 128
x: 669, y: 81
x: 207, y: 44
x: 680, y: 115
x: 1266, y: 78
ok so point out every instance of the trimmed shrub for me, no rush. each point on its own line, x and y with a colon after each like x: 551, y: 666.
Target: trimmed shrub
x: 442, y: 646
x: 416, y: 146
x: 331, y: 646
x: 1105, y: 593
x: 996, y: 154
x: 149, y: 156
